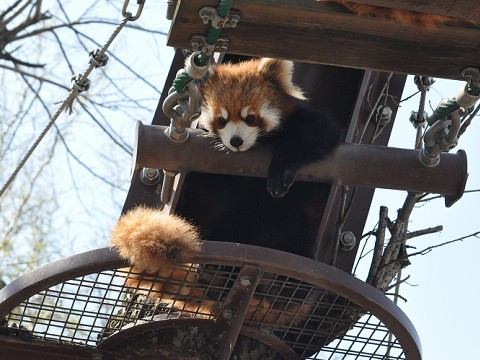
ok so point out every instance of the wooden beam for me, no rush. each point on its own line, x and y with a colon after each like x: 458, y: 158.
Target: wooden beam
x: 315, y: 32
x: 464, y: 9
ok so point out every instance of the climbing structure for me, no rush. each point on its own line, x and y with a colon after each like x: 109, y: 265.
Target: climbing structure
x: 263, y: 303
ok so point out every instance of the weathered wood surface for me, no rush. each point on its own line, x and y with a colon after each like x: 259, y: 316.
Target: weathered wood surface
x: 466, y: 9
x: 317, y: 32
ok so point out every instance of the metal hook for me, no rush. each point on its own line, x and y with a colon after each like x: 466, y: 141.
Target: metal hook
x: 125, y: 13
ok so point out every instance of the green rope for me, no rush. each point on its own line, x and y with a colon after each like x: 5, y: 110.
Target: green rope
x: 182, y: 79
x: 213, y: 35
x: 446, y: 108
x: 224, y: 7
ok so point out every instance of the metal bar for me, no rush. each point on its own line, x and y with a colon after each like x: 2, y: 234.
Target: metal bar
x: 54, y: 273
x: 352, y: 164
x: 166, y: 321
x: 228, y: 324
x: 232, y: 254
x: 139, y: 193
x: 44, y: 350
x: 372, y: 87
x: 159, y: 322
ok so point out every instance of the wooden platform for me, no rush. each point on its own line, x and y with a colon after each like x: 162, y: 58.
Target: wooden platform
x: 317, y: 32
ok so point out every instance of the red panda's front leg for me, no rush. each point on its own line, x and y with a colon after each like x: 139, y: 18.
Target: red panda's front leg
x: 307, y: 135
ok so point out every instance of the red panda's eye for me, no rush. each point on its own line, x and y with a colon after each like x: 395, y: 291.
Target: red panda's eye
x: 250, y: 119
x: 221, y: 121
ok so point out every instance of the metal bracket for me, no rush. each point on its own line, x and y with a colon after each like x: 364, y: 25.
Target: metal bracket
x: 472, y: 76
x: 423, y: 82
x: 225, y: 330
x: 199, y: 43
x: 209, y: 13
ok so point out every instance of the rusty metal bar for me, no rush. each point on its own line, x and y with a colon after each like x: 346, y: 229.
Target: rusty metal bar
x: 228, y: 324
x: 13, y: 348
x: 231, y: 254
x: 352, y: 164
x: 159, y: 322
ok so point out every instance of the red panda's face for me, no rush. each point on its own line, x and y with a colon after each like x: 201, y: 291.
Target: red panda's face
x: 244, y: 101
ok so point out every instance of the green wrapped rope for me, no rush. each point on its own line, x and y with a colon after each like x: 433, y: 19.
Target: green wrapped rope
x: 224, y: 7
x: 182, y: 79
x: 445, y: 108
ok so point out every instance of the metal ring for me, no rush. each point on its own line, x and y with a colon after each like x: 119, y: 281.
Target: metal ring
x: 125, y: 13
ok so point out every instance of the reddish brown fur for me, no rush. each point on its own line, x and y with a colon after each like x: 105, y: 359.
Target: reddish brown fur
x: 153, y: 240
x: 160, y: 248
x: 429, y: 21
x: 249, y: 84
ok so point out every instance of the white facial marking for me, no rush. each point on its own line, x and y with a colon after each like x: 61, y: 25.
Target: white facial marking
x: 243, y: 131
x: 244, y: 112
x: 224, y: 113
x: 271, y: 115
x: 206, y: 118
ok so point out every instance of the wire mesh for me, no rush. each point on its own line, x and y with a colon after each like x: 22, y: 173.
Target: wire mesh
x: 314, y: 322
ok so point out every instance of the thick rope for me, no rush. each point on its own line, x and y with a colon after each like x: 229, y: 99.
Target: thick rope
x: 421, y: 111
x: 66, y: 104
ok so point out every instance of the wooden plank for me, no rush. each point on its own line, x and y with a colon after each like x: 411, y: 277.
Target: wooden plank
x: 309, y: 31
x: 464, y: 9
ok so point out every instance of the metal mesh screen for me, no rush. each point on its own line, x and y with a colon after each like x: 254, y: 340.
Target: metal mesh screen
x: 316, y: 323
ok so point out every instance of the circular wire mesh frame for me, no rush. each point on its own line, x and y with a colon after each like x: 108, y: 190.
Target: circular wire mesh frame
x: 316, y: 310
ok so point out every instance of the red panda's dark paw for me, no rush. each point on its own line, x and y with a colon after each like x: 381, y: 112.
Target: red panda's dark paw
x: 279, y: 180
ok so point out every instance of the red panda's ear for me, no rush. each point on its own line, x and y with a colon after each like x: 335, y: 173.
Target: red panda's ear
x: 282, y: 72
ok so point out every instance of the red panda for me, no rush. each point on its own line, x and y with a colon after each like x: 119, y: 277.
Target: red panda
x: 429, y: 21
x: 256, y: 101
x: 244, y: 105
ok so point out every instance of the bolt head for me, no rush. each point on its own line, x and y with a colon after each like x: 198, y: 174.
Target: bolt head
x: 245, y: 281
x: 227, y: 314
x: 347, y: 241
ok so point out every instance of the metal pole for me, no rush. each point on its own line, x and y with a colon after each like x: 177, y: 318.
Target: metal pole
x: 351, y: 164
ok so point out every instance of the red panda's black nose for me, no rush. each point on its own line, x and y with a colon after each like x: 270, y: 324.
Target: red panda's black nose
x: 236, y: 141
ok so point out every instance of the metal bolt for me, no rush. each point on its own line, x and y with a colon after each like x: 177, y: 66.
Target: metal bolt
x: 234, y: 19
x: 384, y: 115
x: 347, y: 241
x: 246, y: 281
x: 227, y: 314
x: 222, y: 45
x: 150, y: 176
x: 427, y: 160
x: 205, y: 18
x: 196, y: 43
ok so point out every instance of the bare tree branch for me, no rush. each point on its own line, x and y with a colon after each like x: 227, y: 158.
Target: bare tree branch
x: 417, y: 233
x: 379, y: 242
x: 430, y: 248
